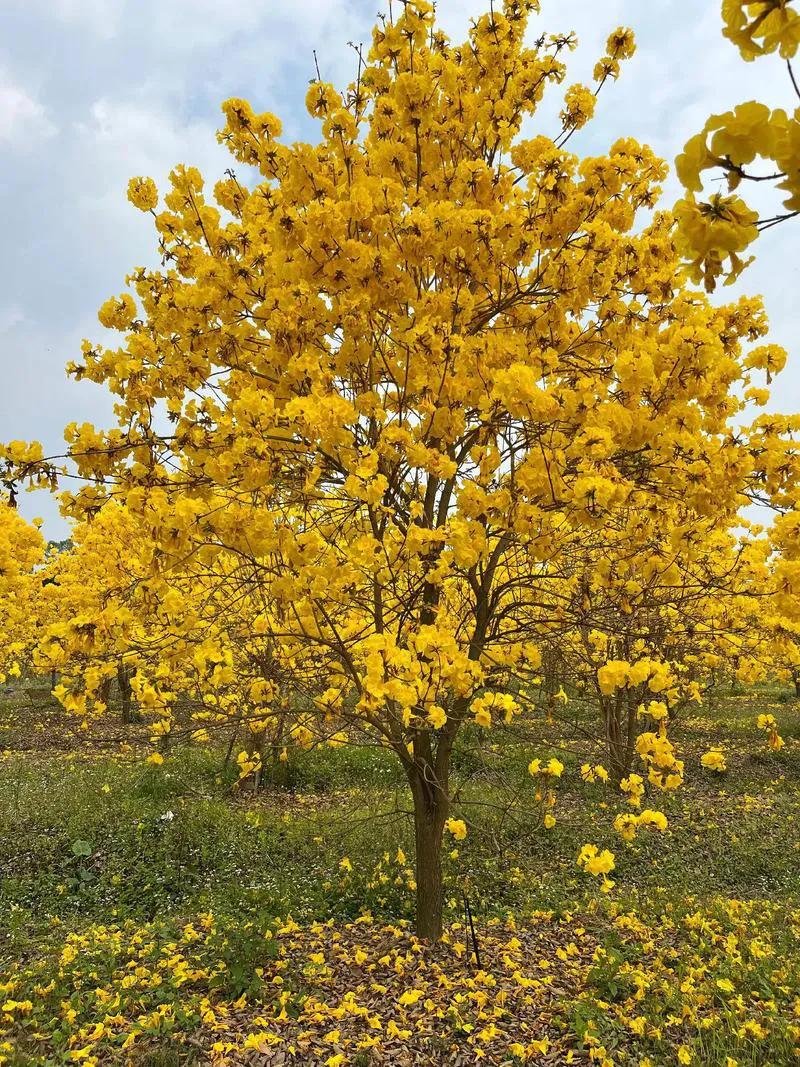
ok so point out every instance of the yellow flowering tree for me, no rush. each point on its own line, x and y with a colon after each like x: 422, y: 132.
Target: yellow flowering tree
x: 22, y: 554
x: 389, y: 387
x: 653, y: 614
x: 197, y: 666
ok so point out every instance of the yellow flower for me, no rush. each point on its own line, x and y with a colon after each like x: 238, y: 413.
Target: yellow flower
x: 596, y: 862
x: 457, y: 827
x: 714, y: 760
x: 142, y: 193
x: 437, y: 717
x: 118, y: 313
x: 579, y: 105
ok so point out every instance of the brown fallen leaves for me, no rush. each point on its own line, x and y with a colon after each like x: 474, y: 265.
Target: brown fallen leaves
x: 367, y: 994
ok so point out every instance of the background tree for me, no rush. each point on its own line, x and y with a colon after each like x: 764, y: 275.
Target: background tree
x: 22, y: 553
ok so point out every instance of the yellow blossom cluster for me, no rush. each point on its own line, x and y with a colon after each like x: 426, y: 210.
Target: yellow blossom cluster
x: 598, y: 862
x: 713, y: 234
x: 768, y: 724
x: 714, y: 760
x: 627, y: 824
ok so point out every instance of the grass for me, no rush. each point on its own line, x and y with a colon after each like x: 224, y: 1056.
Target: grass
x: 119, y: 858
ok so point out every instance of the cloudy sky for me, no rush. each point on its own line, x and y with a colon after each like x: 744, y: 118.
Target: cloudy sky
x: 95, y: 91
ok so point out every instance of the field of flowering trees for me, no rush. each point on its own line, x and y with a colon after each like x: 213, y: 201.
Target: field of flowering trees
x: 418, y: 683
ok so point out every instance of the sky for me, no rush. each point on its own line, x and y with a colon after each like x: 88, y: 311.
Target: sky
x: 93, y: 92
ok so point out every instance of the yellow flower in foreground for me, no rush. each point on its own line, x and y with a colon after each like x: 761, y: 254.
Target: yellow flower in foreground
x: 593, y: 774
x: 437, y: 717
x: 597, y: 863
x: 457, y: 827
x: 768, y: 724
x: 553, y: 767
x: 714, y: 760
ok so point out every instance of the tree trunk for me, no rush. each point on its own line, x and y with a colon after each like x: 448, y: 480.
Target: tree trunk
x: 280, y: 771
x: 619, y: 722
x: 612, y: 728
x: 125, y: 691
x: 430, y: 814
x: 105, y: 691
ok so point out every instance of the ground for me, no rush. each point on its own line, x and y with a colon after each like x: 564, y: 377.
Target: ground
x: 166, y: 915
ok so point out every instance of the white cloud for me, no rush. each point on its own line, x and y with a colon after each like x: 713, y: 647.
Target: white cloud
x: 131, y: 134
x: 10, y: 317
x: 124, y: 138
x: 100, y: 17
x: 23, y: 120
